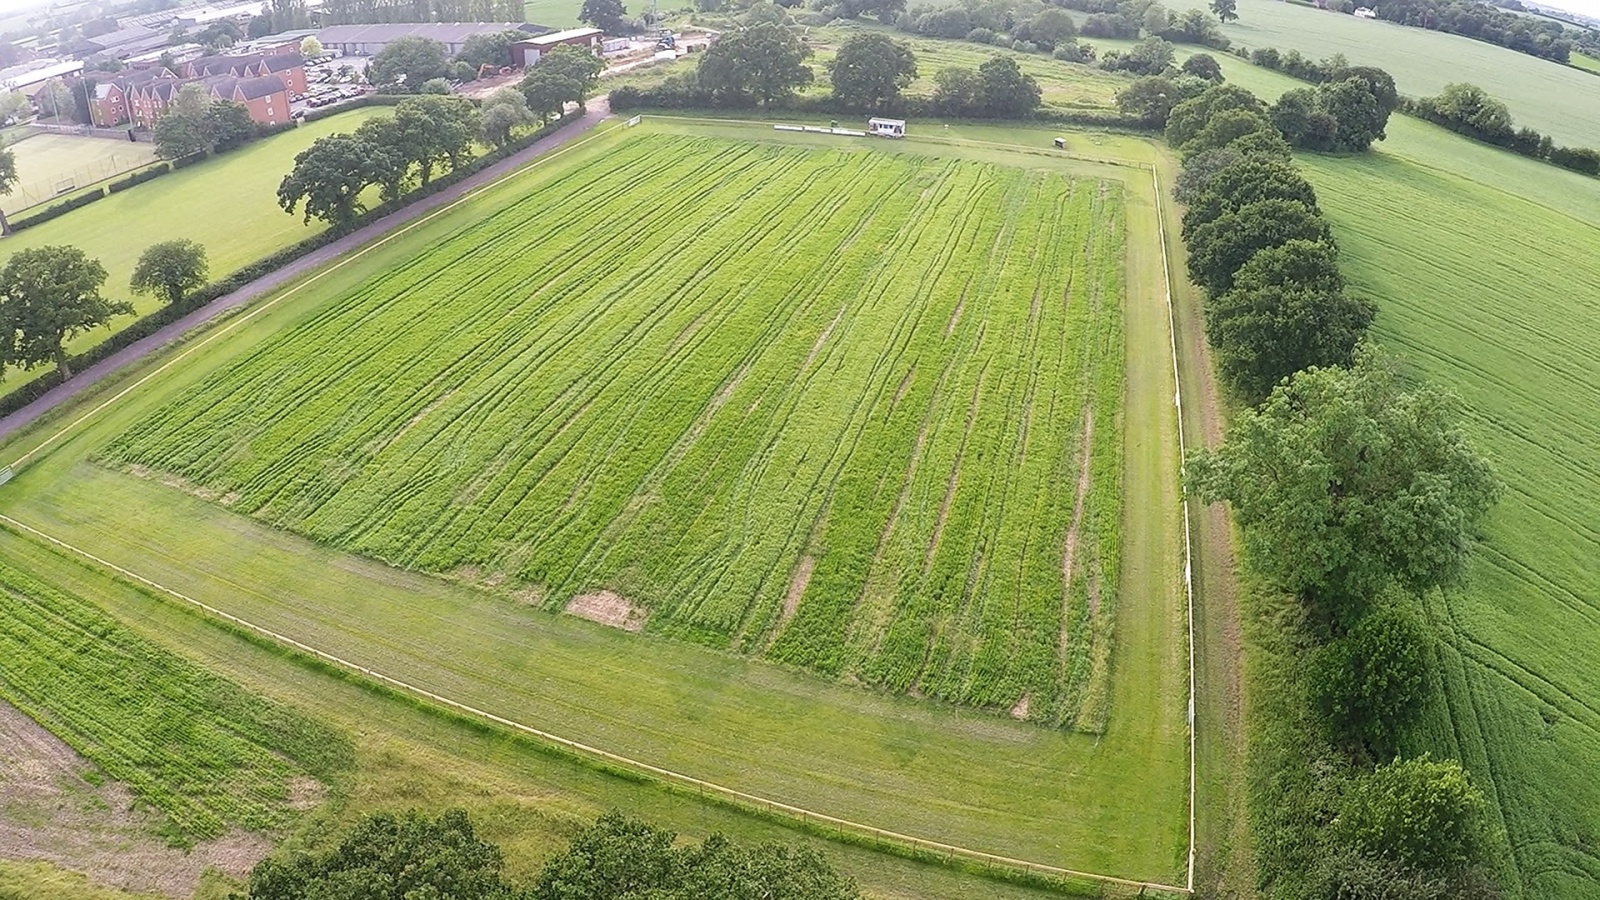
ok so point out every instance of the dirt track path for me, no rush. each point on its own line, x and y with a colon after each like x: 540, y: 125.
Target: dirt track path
x: 599, y: 110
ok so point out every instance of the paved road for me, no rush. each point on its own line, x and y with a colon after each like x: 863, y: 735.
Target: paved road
x: 81, y: 381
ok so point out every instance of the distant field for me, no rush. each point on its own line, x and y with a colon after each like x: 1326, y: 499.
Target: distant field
x: 228, y: 203
x: 1582, y: 61
x: 564, y: 13
x: 798, y: 387
x: 1065, y: 86
x: 1506, y: 318
x: 1555, y: 99
x: 51, y: 164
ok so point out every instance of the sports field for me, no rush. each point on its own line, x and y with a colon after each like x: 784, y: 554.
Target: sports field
x: 1554, y: 99
x: 227, y: 203
x: 941, y: 368
x: 48, y: 164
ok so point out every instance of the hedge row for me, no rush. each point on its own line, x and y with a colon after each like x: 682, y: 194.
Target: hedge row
x: 676, y: 93
x: 313, y: 115
x: 147, y: 325
x: 59, y: 209
x: 155, y: 171
x: 1523, y: 141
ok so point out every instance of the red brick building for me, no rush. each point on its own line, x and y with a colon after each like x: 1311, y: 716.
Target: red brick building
x: 262, y: 82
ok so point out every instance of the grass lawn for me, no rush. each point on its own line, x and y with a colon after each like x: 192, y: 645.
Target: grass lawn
x: 558, y: 13
x: 46, y: 161
x: 1555, y: 99
x: 1114, y: 803
x: 228, y: 203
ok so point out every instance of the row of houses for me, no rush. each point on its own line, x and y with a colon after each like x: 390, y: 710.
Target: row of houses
x: 263, y: 82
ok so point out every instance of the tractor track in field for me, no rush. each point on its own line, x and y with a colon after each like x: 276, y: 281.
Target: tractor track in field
x: 79, y: 383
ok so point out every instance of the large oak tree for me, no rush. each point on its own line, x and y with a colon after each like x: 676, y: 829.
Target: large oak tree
x: 48, y: 295
x: 1345, y: 483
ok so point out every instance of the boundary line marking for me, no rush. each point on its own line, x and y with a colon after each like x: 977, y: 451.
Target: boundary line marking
x: 287, y: 292
x: 584, y: 750
x: 1188, y: 552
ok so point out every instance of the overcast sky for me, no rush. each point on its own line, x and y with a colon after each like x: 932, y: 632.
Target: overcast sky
x: 1587, y: 7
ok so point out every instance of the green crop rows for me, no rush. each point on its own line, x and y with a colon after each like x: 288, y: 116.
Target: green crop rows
x: 1505, y: 317
x: 202, y: 752
x: 851, y: 411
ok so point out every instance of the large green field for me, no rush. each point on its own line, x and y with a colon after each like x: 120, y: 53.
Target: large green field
x: 560, y: 13
x: 778, y: 434
x: 1507, y: 319
x: 1557, y: 100
x: 876, y: 368
x: 227, y: 203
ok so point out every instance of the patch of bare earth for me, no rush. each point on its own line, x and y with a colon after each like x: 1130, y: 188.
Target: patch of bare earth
x: 1069, y: 552
x: 798, y: 582
x: 50, y: 811
x: 608, y: 608
x: 1020, y: 710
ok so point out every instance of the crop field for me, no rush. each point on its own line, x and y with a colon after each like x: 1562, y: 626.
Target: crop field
x: 228, y: 203
x: 1555, y: 99
x: 853, y: 412
x: 1506, y: 318
x: 199, y: 750
x: 1113, y: 801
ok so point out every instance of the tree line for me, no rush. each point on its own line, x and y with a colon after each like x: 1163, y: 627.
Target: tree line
x: 1468, y: 109
x: 1357, y: 493
x: 366, y: 12
x: 1536, y: 36
x: 426, y: 133
x: 389, y: 857
x: 1031, y: 28
x: 1463, y: 108
x: 764, y: 65
x: 1345, y: 113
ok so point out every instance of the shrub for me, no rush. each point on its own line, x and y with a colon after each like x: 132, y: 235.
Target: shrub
x: 155, y: 171
x: 1368, y: 684
x: 1416, y: 812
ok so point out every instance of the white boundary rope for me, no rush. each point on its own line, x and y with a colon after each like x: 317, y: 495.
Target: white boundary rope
x: 1188, y: 554
x: 804, y: 815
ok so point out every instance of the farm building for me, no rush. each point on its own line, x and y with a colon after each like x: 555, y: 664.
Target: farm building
x: 122, y: 43
x: 368, y: 40
x: 526, y: 53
